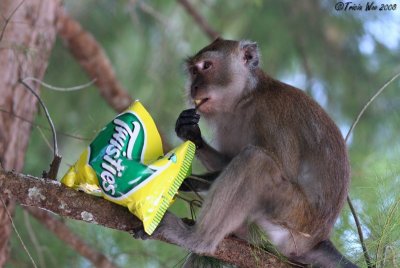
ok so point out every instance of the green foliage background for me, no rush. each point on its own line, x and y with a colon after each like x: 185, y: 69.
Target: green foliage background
x: 339, y: 58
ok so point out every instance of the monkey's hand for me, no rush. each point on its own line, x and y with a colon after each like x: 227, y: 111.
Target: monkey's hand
x: 187, y: 127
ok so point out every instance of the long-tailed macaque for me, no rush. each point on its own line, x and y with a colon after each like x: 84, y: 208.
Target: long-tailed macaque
x: 281, y: 161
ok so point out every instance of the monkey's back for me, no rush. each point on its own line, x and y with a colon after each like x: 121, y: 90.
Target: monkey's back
x: 304, y: 139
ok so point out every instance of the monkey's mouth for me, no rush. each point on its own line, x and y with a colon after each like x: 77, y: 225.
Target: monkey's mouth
x: 199, y: 102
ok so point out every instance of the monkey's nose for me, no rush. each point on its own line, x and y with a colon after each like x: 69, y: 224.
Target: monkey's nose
x: 193, y: 90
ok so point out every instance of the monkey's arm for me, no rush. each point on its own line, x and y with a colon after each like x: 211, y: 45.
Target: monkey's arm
x: 211, y: 159
x: 187, y: 128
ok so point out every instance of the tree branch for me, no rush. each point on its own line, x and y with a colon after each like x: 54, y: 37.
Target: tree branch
x: 57, y: 198
x: 204, y: 26
x: 90, y: 55
x: 93, y: 59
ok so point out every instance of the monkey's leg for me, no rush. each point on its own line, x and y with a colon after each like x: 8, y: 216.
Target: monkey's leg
x: 234, y: 197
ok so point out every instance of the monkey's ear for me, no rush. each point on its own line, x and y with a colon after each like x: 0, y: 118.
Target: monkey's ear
x: 251, y: 55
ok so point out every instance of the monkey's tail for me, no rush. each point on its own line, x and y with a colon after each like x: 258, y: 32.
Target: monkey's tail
x: 326, y: 255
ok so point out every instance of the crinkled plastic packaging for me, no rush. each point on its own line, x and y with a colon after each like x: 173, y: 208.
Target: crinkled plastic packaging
x: 125, y: 164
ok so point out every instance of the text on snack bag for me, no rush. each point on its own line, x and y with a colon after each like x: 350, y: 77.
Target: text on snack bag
x: 111, y: 164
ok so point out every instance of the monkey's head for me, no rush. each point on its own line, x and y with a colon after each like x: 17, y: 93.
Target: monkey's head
x: 221, y: 73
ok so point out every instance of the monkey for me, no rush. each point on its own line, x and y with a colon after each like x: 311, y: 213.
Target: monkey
x: 279, y: 160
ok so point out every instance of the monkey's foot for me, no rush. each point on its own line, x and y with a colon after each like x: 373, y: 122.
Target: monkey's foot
x: 139, y: 233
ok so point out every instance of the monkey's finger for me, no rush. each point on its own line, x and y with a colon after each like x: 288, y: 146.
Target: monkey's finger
x: 189, y: 116
x: 185, y: 130
x: 187, y: 125
x: 187, y: 120
x: 188, y: 112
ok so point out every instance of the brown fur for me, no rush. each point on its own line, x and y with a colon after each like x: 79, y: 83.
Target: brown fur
x: 283, y: 161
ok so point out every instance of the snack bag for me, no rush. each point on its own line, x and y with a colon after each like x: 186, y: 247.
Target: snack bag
x: 125, y: 164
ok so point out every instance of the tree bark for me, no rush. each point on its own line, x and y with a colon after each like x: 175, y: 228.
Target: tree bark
x: 55, y: 197
x: 27, y: 37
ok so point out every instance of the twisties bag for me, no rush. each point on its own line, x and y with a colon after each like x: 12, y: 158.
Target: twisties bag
x: 125, y: 164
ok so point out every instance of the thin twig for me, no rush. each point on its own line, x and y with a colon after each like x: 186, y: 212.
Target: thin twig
x: 62, y: 231
x: 152, y: 12
x: 34, y: 240
x: 184, y: 198
x: 368, y: 103
x: 353, y: 212
x: 43, y: 127
x: 192, y: 204
x: 55, y: 146
x: 55, y: 163
x: 44, y: 138
x: 191, y: 188
x: 207, y: 29
x: 16, y: 231
x: 196, y: 178
x: 360, y: 233
x: 79, y: 87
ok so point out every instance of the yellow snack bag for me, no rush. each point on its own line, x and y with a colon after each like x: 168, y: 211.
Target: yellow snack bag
x: 125, y: 164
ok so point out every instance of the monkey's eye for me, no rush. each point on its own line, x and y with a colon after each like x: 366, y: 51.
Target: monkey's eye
x: 207, y: 65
